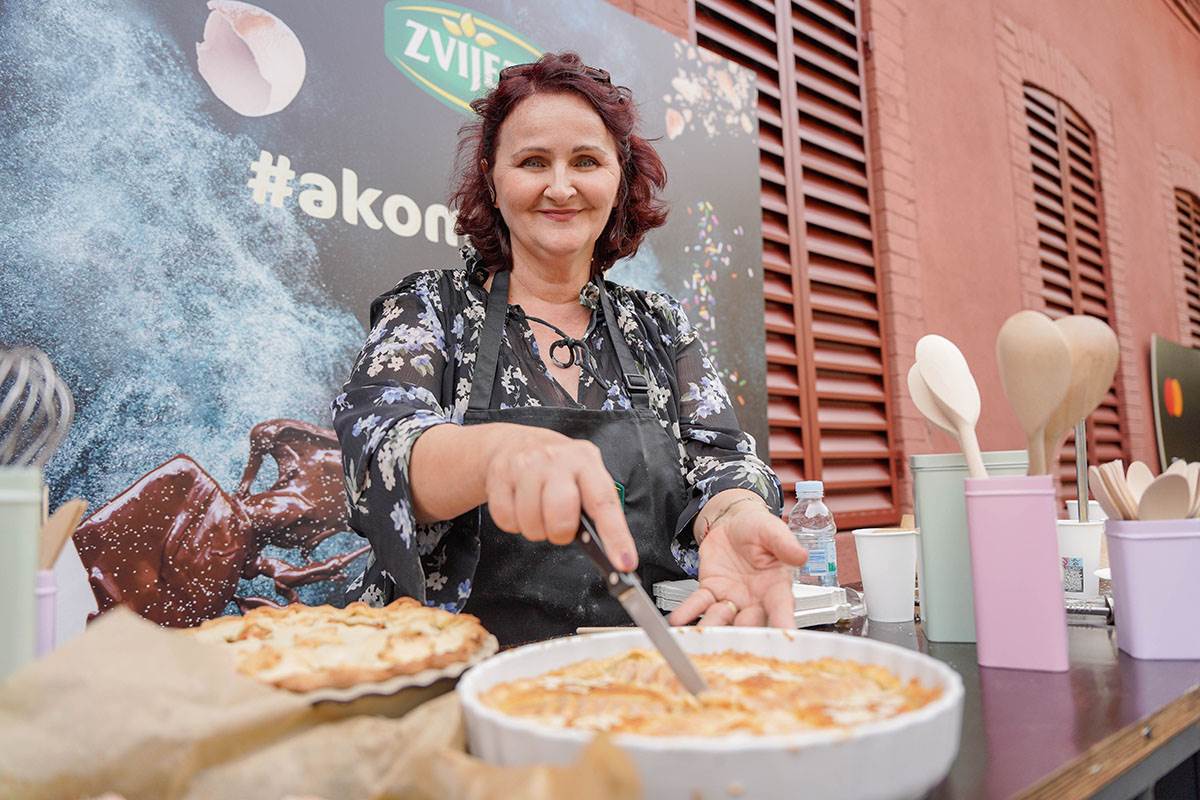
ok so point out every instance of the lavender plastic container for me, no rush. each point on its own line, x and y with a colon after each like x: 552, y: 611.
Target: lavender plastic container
x: 1156, y: 593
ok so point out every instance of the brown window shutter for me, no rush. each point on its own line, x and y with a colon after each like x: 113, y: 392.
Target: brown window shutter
x: 1069, y: 206
x: 1188, y: 207
x: 827, y: 375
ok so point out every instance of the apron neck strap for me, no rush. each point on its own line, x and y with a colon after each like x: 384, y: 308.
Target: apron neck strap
x: 488, y: 355
x: 635, y: 383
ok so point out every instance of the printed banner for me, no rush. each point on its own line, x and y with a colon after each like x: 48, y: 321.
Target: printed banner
x: 1175, y: 373
x: 201, y: 202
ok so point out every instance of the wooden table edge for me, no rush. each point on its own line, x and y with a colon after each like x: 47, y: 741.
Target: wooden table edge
x: 1107, y: 759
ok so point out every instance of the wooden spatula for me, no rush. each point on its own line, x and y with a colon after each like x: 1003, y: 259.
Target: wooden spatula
x: 1194, y: 479
x: 1118, y: 490
x: 1100, y: 491
x: 1035, y: 371
x: 951, y: 383
x: 1138, y: 478
x: 1178, y: 467
x: 1168, y: 497
x: 58, y: 528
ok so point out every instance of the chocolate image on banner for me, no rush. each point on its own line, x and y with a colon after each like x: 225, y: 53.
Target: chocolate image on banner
x: 175, y: 545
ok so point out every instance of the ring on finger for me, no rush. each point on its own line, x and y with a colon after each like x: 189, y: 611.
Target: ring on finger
x: 732, y: 606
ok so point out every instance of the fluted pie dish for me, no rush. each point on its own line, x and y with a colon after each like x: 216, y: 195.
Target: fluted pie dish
x: 788, y: 713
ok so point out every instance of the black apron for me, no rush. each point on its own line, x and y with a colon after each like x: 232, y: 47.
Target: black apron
x: 526, y: 591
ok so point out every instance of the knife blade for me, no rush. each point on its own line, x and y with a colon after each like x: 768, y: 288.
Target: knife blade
x: 628, y: 591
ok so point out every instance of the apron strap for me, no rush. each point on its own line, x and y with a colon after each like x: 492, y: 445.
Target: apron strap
x: 635, y: 383
x: 488, y: 354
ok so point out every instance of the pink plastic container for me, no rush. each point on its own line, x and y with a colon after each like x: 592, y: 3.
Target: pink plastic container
x: 1020, y: 618
x: 47, y: 609
x: 1156, y: 590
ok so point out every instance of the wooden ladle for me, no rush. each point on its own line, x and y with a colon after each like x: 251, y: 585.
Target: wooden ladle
x: 1094, y: 356
x: 1035, y: 371
x: 948, y: 376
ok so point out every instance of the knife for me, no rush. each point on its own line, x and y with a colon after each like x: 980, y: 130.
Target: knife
x: 628, y: 590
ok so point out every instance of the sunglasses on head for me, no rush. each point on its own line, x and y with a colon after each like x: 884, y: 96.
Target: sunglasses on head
x: 595, y: 73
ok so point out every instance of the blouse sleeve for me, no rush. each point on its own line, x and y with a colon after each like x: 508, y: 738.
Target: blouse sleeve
x: 395, y: 392
x: 718, y: 454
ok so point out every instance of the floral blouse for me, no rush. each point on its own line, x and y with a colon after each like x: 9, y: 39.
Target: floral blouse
x: 415, y: 371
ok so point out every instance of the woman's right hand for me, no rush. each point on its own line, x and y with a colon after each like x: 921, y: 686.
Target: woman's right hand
x: 537, y: 482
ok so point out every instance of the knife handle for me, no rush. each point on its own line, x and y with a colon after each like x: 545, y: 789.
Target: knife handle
x: 616, y: 581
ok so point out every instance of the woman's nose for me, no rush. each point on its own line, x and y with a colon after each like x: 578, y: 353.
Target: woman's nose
x: 560, y: 189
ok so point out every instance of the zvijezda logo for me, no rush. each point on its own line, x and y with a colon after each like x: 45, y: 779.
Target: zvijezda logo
x: 453, y: 53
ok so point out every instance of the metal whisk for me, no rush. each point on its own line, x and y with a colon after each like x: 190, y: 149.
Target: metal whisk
x: 36, y: 409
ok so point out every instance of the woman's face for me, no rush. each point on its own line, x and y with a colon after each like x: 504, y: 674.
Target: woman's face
x: 556, y: 177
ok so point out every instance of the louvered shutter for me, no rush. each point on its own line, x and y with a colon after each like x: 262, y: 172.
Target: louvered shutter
x: 827, y: 378
x: 1188, y: 207
x: 1069, y: 205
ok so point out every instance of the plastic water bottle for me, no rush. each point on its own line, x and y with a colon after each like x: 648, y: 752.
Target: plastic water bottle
x: 812, y: 524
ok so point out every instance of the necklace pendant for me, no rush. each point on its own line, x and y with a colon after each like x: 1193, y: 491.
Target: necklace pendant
x: 570, y: 354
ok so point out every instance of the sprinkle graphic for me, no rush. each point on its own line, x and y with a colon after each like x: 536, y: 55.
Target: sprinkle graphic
x: 710, y: 258
x: 709, y: 92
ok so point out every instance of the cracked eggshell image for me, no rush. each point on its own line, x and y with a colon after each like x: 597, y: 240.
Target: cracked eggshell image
x: 249, y: 58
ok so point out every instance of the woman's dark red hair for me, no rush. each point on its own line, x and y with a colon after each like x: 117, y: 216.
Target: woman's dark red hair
x: 643, y: 176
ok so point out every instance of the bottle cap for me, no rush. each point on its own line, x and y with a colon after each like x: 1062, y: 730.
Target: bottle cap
x: 810, y: 489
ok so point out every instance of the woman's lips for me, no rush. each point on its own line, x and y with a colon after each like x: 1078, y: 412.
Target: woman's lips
x: 560, y: 216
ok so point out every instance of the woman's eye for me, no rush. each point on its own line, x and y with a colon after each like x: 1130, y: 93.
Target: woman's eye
x: 587, y: 161
x: 533, y: 162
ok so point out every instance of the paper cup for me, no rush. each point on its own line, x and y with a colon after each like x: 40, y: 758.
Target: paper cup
x: 888, y: 561
x: 1095, y: 512
x: 1079, y: 556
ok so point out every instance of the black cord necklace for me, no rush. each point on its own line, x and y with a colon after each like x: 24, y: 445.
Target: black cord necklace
x: 574, y: 351
x: 576, y: 348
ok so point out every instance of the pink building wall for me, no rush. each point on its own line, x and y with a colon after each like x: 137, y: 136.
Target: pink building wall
x: 954, y: 210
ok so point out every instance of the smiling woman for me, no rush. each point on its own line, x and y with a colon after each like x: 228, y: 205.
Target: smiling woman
x: 458, y: 431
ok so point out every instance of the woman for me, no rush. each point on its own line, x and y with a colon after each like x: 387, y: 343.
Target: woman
x: 491, y: 404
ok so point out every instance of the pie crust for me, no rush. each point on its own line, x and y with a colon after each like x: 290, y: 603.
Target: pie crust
x: 636, y: 692
x: 306, y: 648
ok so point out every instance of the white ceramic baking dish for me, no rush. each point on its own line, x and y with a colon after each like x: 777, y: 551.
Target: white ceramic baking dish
x: 902, y: 757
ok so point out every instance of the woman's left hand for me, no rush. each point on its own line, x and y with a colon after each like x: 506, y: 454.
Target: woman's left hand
x: 746, y: 563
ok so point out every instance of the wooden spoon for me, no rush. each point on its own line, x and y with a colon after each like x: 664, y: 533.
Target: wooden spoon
x: 926, y: 403
x: 58, y: 528
x: 1094, y: 356
x: 949, y: 379
x: 1138, y: 478
x: 1100, y: 491
x: 1035, y: 371
x: 1167, y: 498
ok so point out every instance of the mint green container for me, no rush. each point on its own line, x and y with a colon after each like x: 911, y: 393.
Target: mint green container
x: 20, y: 524
x: 944, y: 552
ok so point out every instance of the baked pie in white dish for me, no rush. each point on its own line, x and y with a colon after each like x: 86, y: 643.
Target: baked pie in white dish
x: 873, y: 720
x: 636, y: 692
